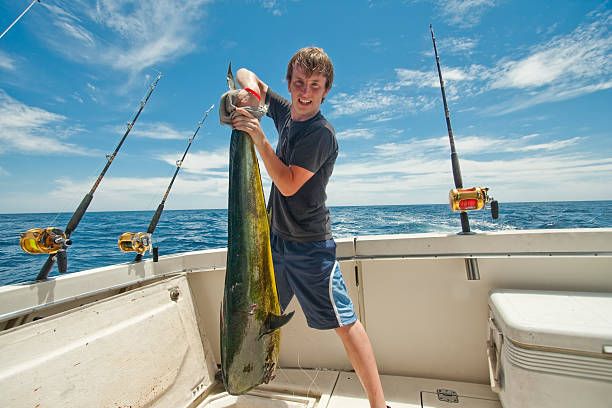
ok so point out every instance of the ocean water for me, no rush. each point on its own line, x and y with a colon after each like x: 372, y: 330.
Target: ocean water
x: 95, y: 239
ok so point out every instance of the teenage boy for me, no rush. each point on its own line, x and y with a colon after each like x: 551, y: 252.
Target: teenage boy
x: 303, y: 250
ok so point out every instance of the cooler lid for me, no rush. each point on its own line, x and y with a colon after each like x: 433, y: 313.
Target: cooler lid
x: 573, y: 321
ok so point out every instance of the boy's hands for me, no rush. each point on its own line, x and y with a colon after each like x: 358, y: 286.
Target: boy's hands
x: 250, y: 124
x: 236, y: 104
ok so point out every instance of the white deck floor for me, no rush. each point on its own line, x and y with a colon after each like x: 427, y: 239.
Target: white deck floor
x: 336, y: 389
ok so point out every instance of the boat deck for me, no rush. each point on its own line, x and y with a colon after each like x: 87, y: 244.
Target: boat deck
x: 339, y: 389
x: 147, y: 334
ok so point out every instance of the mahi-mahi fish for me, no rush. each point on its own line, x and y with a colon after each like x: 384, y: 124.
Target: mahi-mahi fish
x: 250, y: 313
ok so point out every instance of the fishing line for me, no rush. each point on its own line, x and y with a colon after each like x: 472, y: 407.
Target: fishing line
x: 154, y: 195
x: 65, y: 207
x: 161, y: 189
x: 18, y: 18
x: 102, y: 160
x: 312, y: 380
x: 302, y: 369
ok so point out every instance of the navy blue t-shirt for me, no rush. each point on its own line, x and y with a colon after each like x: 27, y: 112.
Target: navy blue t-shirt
x: 312, y: 145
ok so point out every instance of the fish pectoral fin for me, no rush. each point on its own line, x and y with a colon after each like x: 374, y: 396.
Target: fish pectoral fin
x: 277, y: 321
x: 274, y: 321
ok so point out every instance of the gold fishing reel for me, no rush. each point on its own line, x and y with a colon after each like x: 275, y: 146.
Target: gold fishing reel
x: 475, y: 198
x: 43, y: 240
x: 135, y: 242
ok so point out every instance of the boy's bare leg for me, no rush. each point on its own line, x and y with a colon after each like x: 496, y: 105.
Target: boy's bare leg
x: 361, y: 356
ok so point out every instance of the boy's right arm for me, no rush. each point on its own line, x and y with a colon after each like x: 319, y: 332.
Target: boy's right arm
x: 247, y: 79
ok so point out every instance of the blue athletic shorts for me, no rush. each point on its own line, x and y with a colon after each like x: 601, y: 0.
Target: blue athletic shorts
x: 310, y: 271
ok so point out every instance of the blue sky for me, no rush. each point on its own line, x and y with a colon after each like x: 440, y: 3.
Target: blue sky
x: 528, y: 86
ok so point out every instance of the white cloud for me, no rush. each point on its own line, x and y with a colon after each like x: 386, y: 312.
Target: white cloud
x: 135, y: 186
x: 6, y: 62
x: 412, y: 148
x: 146, y: 32
x: 565, y: 67
x: 275, y: 6
x: 464, y: 13
x: 361, y: 133
x: 369, y: 179
x: 452, y: 46
x: 428, y: 160
x: 540, y: 169
x: 33, y: 130
x: 390, y: 100
x: 475, y: 144
x: 552, y: 94
x: 77, y: 97
x: 159, y: 131
x: 467, y: 145
x: 121, y: 193
x: 458, y: 82
x: 554, y: 145
x: 398, y: 176
x: 372, y: 44
x: 201, y: 162
x: 385, y: 103
x: 583, y: 54
x: 79, y: 33
x: 463, y: 46
x: 411, y: 77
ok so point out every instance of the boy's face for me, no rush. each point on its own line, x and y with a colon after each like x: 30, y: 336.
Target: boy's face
x: 307, y: 93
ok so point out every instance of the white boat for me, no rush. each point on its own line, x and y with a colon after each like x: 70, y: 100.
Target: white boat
x: 147, y: 334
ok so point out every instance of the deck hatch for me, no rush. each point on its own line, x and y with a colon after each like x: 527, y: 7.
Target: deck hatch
x: 446, y: 398
x: 447, y: 395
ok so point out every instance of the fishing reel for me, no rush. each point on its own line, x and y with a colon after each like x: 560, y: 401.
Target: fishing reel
x: 135, y: 242
x: 52, y: 241
x: 475, y: 198
x: 44, y: 240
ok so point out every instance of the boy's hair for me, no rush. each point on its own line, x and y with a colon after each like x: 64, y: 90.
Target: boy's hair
x: 313, y: 59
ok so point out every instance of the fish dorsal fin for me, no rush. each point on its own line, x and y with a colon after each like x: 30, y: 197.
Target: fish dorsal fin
x: 274, y: 321
x: 230, y: 78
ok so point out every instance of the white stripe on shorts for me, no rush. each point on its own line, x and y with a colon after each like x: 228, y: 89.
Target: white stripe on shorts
x: 331, y: 294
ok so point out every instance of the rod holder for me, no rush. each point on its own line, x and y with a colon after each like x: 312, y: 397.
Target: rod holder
x: 471, y: 268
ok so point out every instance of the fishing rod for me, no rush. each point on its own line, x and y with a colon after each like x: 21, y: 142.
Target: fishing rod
x: 18, y: 18
x: 140, y: 241
x: 461, y: 199
x: 54, y: 241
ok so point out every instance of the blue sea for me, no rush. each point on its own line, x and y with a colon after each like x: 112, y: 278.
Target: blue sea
x: 95, y: 239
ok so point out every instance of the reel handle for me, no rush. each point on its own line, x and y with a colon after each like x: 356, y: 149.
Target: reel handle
x: 494, y: 209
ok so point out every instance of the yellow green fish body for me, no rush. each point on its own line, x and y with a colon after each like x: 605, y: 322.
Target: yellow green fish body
x: 250, y: 313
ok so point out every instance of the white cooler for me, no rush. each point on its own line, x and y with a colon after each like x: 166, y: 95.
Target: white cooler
x: 550, y: 349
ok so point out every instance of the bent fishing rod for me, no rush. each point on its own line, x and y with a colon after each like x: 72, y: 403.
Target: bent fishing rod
x: 461, y: 199
x: 54, y: 241
x: 141, y: 242
x: 18, y: 18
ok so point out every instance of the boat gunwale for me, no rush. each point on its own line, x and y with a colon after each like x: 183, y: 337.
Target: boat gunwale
x: 349, y: 249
